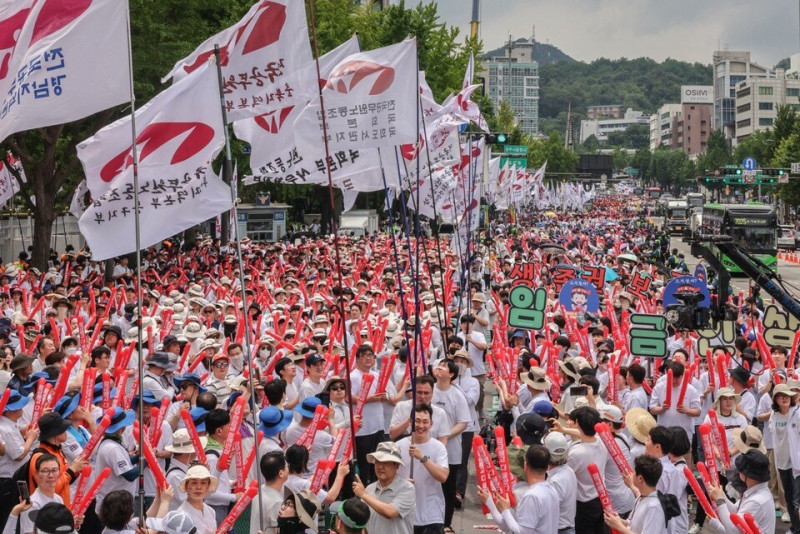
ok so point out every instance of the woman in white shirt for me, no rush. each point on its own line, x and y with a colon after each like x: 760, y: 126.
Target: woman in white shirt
x: 197, y: 485
x: 783, y: 424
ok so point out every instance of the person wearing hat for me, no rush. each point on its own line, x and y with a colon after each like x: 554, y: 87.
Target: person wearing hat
x: 352, y: 516
x: 392, y: 499
x: 81, y: 427
x: 562, y: 478
x: 112, y: 453
x: 197, y: 484
x: 15, y: 447
x: 52, y: 518
x: 740, y: 380
x: 183, y: 454
x: 538, y: 510
x: 155, y: 378
x: 750, y: 479
x: 298, y: 512
x: 621, y: 496
x: 21, y: 371
x: 272, y: 422
x: 217, y: 384
x: 430, y: 461
x: 786, y: 447
x: 726, y: 405
x: 638, y: 423
x: 189, y: 387
x: 52, y: 434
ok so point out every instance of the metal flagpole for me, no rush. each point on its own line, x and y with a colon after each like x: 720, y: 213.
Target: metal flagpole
x: 234, y: 193
x: 335, y: 229
x: 139, y: 343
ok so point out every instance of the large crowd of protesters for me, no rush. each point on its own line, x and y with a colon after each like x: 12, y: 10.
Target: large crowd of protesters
x: 362, y: 384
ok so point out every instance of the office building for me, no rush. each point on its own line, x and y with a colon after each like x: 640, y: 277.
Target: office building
x: 613, y: 111
x: 757, y: 101
x: 730, y: 69
x: 514, y: 78
x: 601, y: 128
x: 661, y: 125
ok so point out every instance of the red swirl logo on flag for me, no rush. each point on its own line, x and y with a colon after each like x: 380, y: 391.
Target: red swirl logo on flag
x: 411, y: 151
x: 157, y: 135
x: 263, y: 29
x: 346, y: 76
x: 272, y: 122
x: 52, y: 17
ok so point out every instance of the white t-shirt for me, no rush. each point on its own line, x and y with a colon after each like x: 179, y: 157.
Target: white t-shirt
x: 205, y: 520
x: 320, y: 448
x: 562, y: 478
x: 38, y: 500
x: 672, y: 417
x: 372, y: 416
x: 648, y: 516
x: 780, y: 424
x: 475, y: 353
x: 579, y: 456
x: 537, y: 512
x: 430, y: 497
x: 454, y: 403
x: 111, y: 453
x: 439, y: 428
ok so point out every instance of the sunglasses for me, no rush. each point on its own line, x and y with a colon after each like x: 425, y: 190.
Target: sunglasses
x: 221, y: 364
x: 337, y: 388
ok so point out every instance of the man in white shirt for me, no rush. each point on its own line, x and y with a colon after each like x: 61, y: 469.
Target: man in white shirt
x: 370, y: 433
x: 647, y: 516
x: 276, y: 472
x: 475, y: 344
x: 454, y: 403
x: 672, y: 481
x: 391, y: 498
x: 673, y: 414
x: 752, y: 470
x: 740, y: 377
x: 313, y: 383
x: 430, y: 462
x: 46, y: 473
x: 562, y: 478
x: 538, y: 510
x: 111, y: 453
x: 588, y: 449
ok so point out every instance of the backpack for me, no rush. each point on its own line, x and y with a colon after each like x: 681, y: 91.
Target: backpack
x: 21, y: 475
x: 669, y: 503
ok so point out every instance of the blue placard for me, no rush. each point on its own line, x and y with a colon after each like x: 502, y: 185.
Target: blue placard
x: 749, y: 164
x: 278, y: 216
x: 686, y: 283
x: 700, y: 272
x: 579, y: 295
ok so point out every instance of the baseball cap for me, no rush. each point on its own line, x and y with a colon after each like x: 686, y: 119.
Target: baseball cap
x: 530, y: 428
x: 53, y: 518
x: 557, y: 444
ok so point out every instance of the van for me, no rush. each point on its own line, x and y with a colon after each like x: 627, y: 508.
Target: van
x: 786, y: 237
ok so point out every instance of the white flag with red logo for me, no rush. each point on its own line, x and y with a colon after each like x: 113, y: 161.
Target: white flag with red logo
x: 50, y: 68
x: 370, y: 101
x: 274, y: 154
x: 262, y: 57
x: 76, y: 207
x: 435, y: 190
x: 179, y: 130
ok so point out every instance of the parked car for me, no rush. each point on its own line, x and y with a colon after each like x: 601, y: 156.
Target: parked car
x: 787, y: 237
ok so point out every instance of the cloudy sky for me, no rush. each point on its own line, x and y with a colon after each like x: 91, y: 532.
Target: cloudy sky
x: 682, y: 29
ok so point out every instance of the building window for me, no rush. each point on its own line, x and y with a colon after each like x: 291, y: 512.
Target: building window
x: 743, y: 92
x: 743, y: 124
x: 765, y: 106
x: 793, y: 91
x: 765, y: 91
x: 743, y: 108
x: 765, y: 121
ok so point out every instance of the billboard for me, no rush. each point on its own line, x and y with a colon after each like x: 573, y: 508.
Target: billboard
x: 697, y: 94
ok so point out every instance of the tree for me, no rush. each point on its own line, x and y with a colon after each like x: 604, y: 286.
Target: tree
x: 717, y: 154
x: 591, y: 143
x: 671, y: 169
x: 551, y: 149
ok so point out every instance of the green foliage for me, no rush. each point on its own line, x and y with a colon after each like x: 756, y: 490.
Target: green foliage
x: 641, y: 84
x: 506, y: 121
x: 591, y: 143
x: 717, y: 154
x: 634, y: 136
x: 671, y: 169
x: 551, y: 149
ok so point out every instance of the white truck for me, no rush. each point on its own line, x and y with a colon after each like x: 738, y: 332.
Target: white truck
x: 359, y: 223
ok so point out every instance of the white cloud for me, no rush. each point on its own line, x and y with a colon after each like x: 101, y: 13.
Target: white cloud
x: 688, y: 30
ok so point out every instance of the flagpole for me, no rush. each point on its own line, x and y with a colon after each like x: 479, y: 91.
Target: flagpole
x: 234, y: 194
x: 334, y: 227
x: 136, y: 206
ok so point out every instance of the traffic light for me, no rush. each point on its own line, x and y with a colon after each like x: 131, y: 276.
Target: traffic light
x: 495, y: 138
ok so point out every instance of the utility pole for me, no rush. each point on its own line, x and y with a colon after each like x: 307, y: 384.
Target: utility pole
x: 568, y: 133
x: 473, y: 33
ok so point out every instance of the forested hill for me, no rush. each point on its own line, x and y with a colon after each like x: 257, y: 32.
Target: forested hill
x: 642, y: 84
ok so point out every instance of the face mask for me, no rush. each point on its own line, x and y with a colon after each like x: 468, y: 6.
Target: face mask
x: 263, y: 353
x: 462, y: 369
x: 71, y: 350
x: 290, y: 525
x: 452, y: 350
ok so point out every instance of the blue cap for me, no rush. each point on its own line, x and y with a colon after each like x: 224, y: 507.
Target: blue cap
x: 274, y: 420
x: 199, y: 418
x: 16, y: 401
x: 308, y: 406
x: 149, y: 399
x: 544, y: 408
x: 120, y: 419
x: 67, y: 404
x: 98, y: 393
x: 192, y: 378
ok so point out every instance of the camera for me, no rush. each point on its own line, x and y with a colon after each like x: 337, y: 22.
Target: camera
x: 688, y: 316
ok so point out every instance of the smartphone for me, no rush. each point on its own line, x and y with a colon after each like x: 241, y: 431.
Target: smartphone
x: 578, y: 391
x: 22, y: 486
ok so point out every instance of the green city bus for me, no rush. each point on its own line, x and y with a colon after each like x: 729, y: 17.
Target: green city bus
x: 753, y: 228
